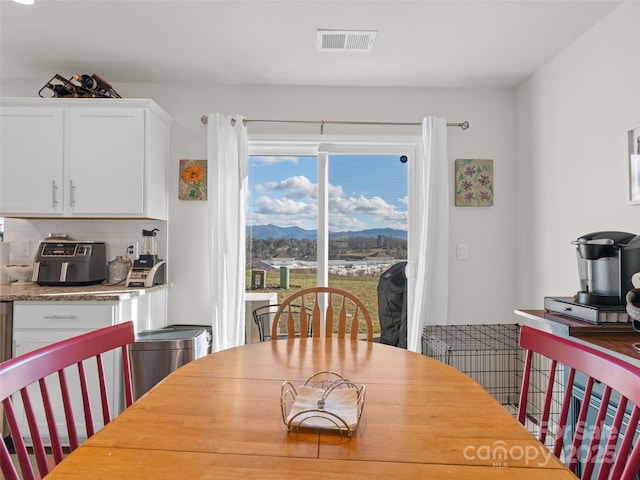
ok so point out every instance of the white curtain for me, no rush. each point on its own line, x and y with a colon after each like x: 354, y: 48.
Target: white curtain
x: 428, y: 263
x: 227, y: 147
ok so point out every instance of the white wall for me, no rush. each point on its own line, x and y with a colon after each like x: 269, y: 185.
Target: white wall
x: 572, y: 123
x: 482, y: 288
x: 489, y: 232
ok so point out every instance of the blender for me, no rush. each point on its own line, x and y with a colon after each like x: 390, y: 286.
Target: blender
x: 148, y: 270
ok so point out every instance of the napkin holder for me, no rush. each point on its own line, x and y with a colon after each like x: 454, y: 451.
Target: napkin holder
x: 325, y: 401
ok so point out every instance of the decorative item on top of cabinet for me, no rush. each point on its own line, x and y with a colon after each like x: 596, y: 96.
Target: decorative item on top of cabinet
x: 83, y: 158
x: 79, y: 86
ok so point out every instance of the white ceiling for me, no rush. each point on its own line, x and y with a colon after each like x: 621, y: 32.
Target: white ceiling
x: 420, y: 43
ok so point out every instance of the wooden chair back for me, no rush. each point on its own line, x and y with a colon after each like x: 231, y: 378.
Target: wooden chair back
x: 596, y: 441
x: 344, y: 313
x: 41, y: 368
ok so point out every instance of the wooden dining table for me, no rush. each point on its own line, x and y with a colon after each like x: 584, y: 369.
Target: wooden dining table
x: 220, y: 417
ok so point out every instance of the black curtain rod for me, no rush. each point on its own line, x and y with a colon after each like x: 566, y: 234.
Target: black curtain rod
x: 463, y: 125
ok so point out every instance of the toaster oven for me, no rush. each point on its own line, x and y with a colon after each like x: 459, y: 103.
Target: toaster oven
x: 70, y: 262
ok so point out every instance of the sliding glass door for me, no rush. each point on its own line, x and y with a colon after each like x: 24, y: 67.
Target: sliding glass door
x: 326, y: 214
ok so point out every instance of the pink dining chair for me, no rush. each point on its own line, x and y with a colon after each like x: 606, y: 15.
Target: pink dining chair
x: 600, y: 456
x: 34, y: 367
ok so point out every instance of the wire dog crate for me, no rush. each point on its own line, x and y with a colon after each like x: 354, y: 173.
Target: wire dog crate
x: 491, y: 355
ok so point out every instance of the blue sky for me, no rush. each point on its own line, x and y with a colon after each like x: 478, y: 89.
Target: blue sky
x: 365, y: 191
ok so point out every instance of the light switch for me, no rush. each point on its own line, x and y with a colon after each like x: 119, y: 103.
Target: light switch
x: 462, y: 251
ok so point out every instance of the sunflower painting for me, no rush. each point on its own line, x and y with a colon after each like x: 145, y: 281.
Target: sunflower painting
x: 474, y: 183
x: 193, y: 180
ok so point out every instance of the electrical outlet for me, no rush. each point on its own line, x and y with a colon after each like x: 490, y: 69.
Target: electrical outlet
x: 462, y: 251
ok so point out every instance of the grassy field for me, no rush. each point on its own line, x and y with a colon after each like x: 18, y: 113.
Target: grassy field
x: 365, y: 288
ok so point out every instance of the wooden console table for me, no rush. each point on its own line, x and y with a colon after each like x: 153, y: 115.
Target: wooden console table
x: 614, y: 338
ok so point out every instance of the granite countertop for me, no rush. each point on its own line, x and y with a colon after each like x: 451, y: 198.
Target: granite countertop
x: 91, y: 293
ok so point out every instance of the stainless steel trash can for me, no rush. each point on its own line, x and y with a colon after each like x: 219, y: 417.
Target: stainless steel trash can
x: 191, y: 326
x: 156, y: 353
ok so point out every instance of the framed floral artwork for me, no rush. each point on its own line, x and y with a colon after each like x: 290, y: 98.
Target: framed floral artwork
x: 634, y: 165
x: 474, y: 183
x: 193, y: 180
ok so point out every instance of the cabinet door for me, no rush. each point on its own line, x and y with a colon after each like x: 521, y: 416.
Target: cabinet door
x: 37, y: 325
x: 31, y: 158
x: 105, y: 161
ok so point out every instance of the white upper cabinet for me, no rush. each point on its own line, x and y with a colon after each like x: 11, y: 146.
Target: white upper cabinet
x: 31, y: 160
x: 105, y: 161
x: 83, y: 158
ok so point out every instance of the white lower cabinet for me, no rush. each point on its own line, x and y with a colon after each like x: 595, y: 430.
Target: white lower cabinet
x: 37, y: 324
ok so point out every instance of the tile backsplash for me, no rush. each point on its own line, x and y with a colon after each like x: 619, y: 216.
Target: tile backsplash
x: 25, y: 234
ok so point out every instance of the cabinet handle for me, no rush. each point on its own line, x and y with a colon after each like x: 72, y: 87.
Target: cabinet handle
x: 63, y: 271
x: 54, y: 191
x: 72, y: 194
x: 36, y: 271
x: 60, y: 317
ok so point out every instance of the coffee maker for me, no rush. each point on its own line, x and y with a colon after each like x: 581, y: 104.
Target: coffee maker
x: 148, y: 270
x: 607, y: 261
x: 608, y: 264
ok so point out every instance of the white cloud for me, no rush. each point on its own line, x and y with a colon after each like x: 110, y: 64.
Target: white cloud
x: 298, y: 187
x: 293, y: 201
x: 344, y: 223
x: 272, y: 160
x: 376, y: 208
x: 283, y: 206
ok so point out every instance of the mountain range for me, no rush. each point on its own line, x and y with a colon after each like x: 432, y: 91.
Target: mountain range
x: 265, y: 232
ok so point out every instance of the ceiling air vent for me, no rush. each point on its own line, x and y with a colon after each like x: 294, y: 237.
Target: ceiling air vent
x: 346, y: 40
